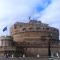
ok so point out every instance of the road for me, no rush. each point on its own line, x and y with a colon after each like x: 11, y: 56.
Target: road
x: 29, y: 58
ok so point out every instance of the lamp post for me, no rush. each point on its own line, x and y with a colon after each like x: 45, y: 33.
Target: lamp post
x: 49, y: 45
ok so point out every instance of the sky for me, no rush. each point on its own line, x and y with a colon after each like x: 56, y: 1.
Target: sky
x: 11, y: 11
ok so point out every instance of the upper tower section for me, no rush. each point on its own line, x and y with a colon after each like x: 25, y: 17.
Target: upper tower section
x: 32, y: 25
x: 33, y: 30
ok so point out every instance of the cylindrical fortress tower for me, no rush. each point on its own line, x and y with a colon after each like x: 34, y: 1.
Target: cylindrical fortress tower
x: 33, y: 34
x: 33, y: 31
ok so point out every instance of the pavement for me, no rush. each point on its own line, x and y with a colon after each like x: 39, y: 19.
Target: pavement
x: 28, y: 58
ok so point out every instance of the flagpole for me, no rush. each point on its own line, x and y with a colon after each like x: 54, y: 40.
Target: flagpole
x: 5, y: 31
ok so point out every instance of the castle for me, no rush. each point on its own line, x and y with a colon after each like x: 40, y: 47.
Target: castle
x: 31, y: 39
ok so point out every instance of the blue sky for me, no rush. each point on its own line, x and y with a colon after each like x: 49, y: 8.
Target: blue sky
x: 47, y: 11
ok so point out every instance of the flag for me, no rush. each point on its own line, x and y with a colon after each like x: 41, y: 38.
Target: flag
x: 5, y: 28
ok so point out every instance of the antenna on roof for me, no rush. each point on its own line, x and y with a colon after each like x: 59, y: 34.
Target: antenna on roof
x: 29, y: 17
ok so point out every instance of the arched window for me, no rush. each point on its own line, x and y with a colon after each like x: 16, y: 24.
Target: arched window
x: 38, y: 28
x: 24, y: 29
x: 47, y: 28
x: 30, y: 28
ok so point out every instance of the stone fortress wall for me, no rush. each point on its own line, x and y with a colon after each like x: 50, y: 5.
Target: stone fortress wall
x: 6, y: 46
x: 34, y: 37
x: 30, y: 39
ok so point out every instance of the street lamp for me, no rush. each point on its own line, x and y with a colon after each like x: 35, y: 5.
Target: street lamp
x: 49, y: 45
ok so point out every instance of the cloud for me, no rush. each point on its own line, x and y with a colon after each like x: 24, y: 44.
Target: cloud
x: 48, y: 11
x: 51, y: 14
x: 19, y: 10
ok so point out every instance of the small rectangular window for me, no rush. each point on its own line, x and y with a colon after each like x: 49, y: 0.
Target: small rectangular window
x: 14, y: 26
x: 47, y: 28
